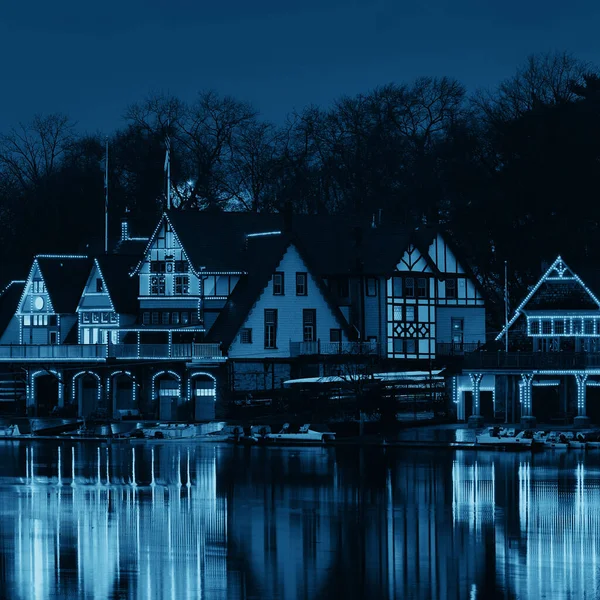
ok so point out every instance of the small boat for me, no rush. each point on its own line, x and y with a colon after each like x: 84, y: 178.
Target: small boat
x: 10, y: 431
x: 300, y: 436
x: 170, y: 431
x: 228, y: 433
x: 498, y: 437
x: 556, y: 440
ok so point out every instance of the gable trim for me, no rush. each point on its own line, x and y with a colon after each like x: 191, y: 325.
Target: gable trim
x: 560, y: 267
x: 29, y: 278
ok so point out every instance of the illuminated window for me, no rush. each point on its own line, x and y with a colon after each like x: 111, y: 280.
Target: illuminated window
x: 182, y: 285
x: 278, y: 284
x: 397, y: 313
x: 246, y: 336
x: 27, y: 321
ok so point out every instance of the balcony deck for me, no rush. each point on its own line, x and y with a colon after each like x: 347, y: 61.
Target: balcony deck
x: 319, y: 348
x: 102, y: 352
x: 523, y: 361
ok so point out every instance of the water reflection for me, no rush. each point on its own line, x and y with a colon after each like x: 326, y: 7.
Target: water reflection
x: 171, y: 521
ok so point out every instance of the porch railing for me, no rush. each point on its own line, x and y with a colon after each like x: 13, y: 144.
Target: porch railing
x: 34, y: 352
x: 319, y: 348
x: 165, y: 351
x: 531, y: 360
x: 456, y: 349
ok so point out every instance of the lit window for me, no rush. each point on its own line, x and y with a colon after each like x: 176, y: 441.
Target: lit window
x: 397, y: 313
x: 278, y: 284
x: 246, y: 336
x: 182, y: 284
x: 27, y: 321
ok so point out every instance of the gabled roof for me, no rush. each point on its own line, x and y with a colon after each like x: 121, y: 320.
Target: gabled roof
x: 558, y: 274
x: 262, y: 256
x: 65, y: 278
x: 122, y: 289
x: 9, y: 302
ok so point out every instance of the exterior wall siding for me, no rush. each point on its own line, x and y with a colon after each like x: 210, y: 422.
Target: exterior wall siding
x: 474, y: 324
x: 11, y: 334
x: 375, y: 312
x: 289, y: 316
x: 258, y: 376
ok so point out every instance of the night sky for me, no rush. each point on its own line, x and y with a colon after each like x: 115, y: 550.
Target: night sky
x: 90, y: 60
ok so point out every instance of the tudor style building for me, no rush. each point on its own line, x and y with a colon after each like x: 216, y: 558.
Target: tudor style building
x: 552, y: 366
x: 229, y: 305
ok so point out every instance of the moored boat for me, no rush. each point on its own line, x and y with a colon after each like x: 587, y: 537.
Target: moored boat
x: 303, y: 435
x: 499, y: 437
x: 10, y: 431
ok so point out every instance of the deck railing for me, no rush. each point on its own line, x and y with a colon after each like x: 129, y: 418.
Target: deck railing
x: 319, y: 348
x: 455, y: 348
x: 531, y: 360
x: 100, y: 352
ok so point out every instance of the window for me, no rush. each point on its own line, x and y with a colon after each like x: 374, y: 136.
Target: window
x: 114, y: 337
x: 246, y: 336
x: 371, y: 285
x: 457, y: 327
x: 450, y: 289
x: 157, y: 285
x: 278, y: 283
x: 194, y: 318
x: 409, y: 287
x: 181, y: 266
x: 38, y: 286
x: 27, y: 321
x: 335, y: 335
x: 95, y: 317
x: 398, y: 346
x: 422, y: 287
x: 397, y: 313
x: 309, y: 324
x: 559, y: 327
x: 547, y: 327
x: 54, y: 337
x: 182, y: 285
x: 270, y: 328
x: 397, y: 287
x: 85, y: 317
x: 99, y: 285
x: 301, y: 284
x: 588, y: 327
x: 410, y: 313
x: 576, y: 326
x: 155, y: 317
x: 534, y: 326
x: 164, y: 318
x: 158, y: 266
x: 411, y: 346
x: 146, y: 318
x: 185, y: 318
x: 222, y: 285
x: 175, y: 318
x: 104, y: 317
x: 113, y: 318
x: 343, y: 287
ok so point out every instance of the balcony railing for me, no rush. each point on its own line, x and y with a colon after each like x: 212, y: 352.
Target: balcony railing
x: 531, y: 360
x: 456, y: 349
x: 319, y: 348
x: 100, y: 352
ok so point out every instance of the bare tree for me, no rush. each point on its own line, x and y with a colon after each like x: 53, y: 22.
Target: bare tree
x: 32, y: 152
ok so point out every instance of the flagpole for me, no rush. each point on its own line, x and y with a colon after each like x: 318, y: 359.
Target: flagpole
x: 106, y: 200
x: 168, y: 164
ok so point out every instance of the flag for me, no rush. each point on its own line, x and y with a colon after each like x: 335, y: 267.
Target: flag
x: 168, y: 152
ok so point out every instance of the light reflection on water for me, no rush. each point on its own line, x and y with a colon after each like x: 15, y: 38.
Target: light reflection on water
x: 171, y: 521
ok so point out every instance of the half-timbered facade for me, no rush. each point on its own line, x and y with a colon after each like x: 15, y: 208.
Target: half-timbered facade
x: 230, y: 303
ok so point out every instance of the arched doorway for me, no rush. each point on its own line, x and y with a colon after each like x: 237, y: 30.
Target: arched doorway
x: 202, y: 394
x: 166, y: 394
x: 46, y: 390
x: 122, y: 394
x: 546, y: 400
x: 87, y: 394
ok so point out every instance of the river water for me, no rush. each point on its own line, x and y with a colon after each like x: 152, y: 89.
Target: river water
x: 168, y: 521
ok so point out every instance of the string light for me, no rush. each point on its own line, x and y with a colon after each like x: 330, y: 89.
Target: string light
x: 98, y: 380
x: 263, y: 234
x: 15, y: 281
x: 476, y: 381
x: 525, y: 392
x: 561, y: 268
x: 46, y: 372
x: 581, y: 379
x: 156, y: 375
x: 128, y: 374
x: 197, y: 374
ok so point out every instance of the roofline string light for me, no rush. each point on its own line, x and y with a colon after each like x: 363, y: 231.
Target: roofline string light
x: 560, y: 266
x: 263, y: 234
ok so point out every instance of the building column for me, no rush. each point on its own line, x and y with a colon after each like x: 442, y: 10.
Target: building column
x: 476, y: 420
x: 581, y: 420
x: 527, y: 418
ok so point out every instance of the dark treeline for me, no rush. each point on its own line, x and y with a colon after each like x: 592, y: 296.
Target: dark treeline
x: 512, y: 173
